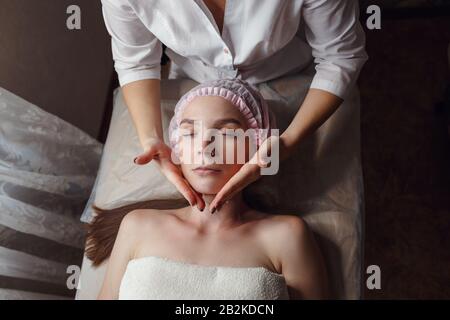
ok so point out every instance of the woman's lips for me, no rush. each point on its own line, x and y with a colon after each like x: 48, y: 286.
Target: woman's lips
x: 204, y: 171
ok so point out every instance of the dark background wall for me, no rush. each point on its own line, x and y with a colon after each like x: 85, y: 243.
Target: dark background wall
x: 65, y: 72
x: 405, y: 100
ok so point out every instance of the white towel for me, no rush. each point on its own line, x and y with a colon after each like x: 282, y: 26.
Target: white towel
x: 157, y: 278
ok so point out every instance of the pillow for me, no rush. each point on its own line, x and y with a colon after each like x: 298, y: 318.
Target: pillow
x: 321, y: 181
x: 47, y: 168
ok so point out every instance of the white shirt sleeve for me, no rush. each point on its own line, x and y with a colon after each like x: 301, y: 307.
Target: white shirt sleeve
x: 135, y: 50
x: 333, y: 30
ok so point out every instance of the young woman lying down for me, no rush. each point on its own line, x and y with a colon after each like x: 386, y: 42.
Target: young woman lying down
x: 235, y: 252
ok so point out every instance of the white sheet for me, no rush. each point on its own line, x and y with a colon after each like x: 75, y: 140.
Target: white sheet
x: 47, y: 168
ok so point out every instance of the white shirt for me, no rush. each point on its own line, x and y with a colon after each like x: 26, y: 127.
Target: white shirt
x: 261, y: 40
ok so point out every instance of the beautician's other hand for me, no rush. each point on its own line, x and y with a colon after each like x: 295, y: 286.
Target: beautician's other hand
x: 250, y: 171
x: 156, y: 149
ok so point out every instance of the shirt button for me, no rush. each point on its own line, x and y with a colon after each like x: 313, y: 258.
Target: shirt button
x: 226, y: 50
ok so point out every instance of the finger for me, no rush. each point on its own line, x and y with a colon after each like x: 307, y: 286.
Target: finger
x: 262, y: 160
x: 184, y: 188
x: 171, y: 166
x: 264, y: 153
x: 198, y: 197
x: 246, y: 175
x: 146, y: 156
x: 170, y: 170
x: 174, y: 175
x: 200, y: 202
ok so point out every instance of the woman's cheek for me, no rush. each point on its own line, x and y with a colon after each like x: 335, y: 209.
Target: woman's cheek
x: 182, y: 147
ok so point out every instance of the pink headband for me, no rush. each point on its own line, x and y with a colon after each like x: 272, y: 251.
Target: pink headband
x: 241, y: 94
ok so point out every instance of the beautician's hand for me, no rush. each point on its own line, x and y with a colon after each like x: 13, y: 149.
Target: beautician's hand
x: 156, y: 149
x: 250, y: 171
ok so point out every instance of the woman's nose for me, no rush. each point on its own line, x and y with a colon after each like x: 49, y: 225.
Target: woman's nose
x: 207, y: 147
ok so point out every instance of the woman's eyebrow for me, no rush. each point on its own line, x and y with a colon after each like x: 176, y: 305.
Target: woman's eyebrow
x: 221, y: 122
x: 188, y: 121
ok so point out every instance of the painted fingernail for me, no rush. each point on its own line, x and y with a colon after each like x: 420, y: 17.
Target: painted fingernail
x: 213, y: 210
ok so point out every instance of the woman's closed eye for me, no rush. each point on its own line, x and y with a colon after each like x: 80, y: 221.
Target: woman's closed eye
x: 188, y: 131
x: 188, y: 134
x: 228, y: 132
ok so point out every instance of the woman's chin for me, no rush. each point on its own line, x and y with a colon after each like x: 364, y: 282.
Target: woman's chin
x: 207, y: 187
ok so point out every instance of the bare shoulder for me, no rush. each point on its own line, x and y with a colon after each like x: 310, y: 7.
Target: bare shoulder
x: 284, y: 224
x: 292, y: 225
x: 300, y: 258
x: 283, y: 232
x: 281, y: 235
x: 142, y: 220
x: 294, y: 235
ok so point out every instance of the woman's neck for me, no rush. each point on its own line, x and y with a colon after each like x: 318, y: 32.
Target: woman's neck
x: 229, y: 215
